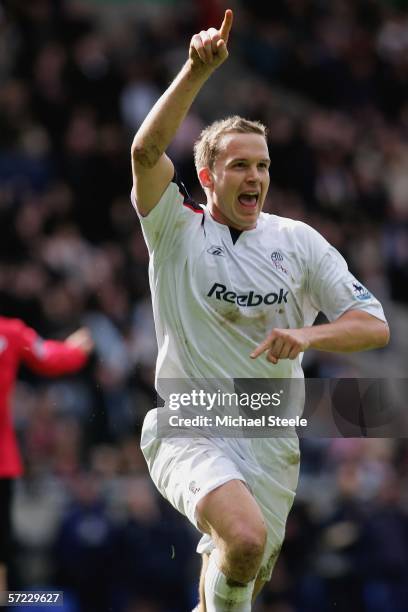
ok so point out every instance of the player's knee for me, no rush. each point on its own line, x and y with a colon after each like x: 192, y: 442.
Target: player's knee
x: 250, y: 543
x: 247, y: 542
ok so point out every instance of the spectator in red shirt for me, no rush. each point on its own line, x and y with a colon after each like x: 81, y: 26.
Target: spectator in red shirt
x: 20, y: 344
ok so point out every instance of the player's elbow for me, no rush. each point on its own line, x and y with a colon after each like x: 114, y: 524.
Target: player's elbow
x: 379, y: 334
x: 144, y: 157
x: 383, y: 335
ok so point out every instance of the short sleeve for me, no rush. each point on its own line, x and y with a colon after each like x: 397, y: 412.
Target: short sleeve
x: 174, y: 214
x: 332, y: 288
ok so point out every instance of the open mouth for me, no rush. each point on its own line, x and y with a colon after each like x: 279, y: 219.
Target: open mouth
x: 249, y: 200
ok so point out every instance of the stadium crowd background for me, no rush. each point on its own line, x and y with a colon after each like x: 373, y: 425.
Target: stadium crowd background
x: 330, y: 80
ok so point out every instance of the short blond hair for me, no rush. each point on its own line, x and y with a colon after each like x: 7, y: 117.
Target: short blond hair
x: 206, y: 148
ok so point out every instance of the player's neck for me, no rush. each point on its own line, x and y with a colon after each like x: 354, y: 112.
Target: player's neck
x: 219, y: 217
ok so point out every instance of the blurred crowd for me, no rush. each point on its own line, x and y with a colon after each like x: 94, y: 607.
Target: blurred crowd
x: 330, y: 80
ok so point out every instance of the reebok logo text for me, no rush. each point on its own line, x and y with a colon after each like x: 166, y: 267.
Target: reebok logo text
x: 247, y: 299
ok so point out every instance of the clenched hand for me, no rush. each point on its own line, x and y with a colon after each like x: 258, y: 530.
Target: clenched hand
x: 208, y: 49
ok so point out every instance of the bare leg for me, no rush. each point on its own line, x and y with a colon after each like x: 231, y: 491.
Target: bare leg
x: 205, y: 558
x: 234, y: 520
x: 232, y: 517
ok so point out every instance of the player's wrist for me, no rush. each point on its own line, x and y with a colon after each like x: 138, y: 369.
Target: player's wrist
x: 309, y: 337
x: 197, y: 71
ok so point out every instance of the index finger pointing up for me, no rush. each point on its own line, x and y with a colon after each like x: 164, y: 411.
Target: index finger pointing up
x: 226, y: 25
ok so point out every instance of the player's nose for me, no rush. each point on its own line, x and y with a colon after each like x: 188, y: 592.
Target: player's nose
x: 253, y: 175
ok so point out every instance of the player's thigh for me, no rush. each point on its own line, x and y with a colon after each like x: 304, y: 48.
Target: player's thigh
x: 205, y: 558
x: 229, y: 512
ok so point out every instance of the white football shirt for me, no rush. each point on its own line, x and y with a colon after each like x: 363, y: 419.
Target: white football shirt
x: 214, y: 301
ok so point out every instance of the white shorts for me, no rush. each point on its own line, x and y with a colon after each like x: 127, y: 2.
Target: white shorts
x: 185, y: 469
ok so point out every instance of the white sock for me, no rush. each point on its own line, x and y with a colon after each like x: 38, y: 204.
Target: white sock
x: 219, y: 595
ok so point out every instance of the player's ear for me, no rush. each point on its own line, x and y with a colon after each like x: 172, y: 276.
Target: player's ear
x: 205, y: 177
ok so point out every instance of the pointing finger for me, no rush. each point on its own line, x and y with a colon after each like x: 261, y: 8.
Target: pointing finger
x: 264, y: 346
x: 226, y: 25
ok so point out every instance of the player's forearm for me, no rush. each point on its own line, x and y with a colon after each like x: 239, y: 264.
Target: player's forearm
x: 161, y: 124
x: 54, y: 358
x: 353, y: 331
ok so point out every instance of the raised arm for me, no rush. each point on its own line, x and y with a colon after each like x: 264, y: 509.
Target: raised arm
x: 152, y: 168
